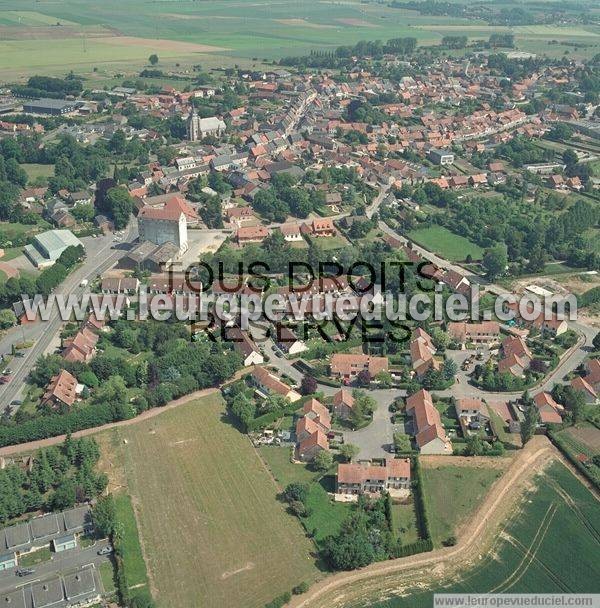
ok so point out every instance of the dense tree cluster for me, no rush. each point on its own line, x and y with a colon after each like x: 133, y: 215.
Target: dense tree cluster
x: 60, y: 477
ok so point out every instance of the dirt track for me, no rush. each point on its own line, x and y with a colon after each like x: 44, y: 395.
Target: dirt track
x: 338, y: 589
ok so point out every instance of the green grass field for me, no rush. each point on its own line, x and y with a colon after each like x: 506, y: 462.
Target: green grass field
x: 134, y: 567
x: 453, y: 493
x: 558, y: 518
x: 325, y: 516
x: 442, y: 241
x: 210, y: 524
x: 115, y: 36
x: 35, y: 171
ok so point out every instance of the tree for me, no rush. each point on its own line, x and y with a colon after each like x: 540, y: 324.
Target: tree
x: 309, y: 385
x: 153, y: 59
x: 495, y: 261
x: 363, y: 378
x: 120, y: 206
x: 349, y: 451
x: 323, y: 460
x: 384, y: 379
x: 532, y: 419
x: 402, y: 443
x: 475, y: 446
x: 449, y: 369
x: 295, y: 491
x: 104, y: 515
x: 7, y: 318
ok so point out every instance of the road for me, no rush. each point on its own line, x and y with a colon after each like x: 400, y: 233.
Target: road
x: 99, y: 257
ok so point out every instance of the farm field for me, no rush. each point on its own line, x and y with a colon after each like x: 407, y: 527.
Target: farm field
x: 442, y: 241
x: 452, y: 494
x: 202, y: 496
x: 582, y: 442
x: 91, y: 37
x: 558, y: 517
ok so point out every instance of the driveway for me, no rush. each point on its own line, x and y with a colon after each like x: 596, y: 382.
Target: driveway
x: 375, y: 438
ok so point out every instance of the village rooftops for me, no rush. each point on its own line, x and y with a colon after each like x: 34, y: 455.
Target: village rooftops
x: 348, y: 365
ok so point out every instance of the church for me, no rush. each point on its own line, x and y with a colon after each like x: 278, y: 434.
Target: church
x: 199, y: 128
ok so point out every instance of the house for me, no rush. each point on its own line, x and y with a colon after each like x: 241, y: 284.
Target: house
x: 61, y: 390
x: 244, y: 345
x: 267, y: 383
x: 366, y: 478
x: 321, y: 227
x: 440, y: 157
x: 8, y: 561
x: 115, y: 285
x: 430, y: 435
x: 314, y: 410
x: 64, y: 543
x: 291, y: 232
x: 472, y: 410
x: 581, y: 384
x: 479, y: 333
x: 592, y: 376
x: 348, y: 366
x: 516, y: 356
x: 287, y: 341
x: 238, y: 216
x: 421, y: 353
x: 550, y: 411
x: 311, y: 446
x: 251, y: 234
x: 343, y: 404
x: 82, y: 347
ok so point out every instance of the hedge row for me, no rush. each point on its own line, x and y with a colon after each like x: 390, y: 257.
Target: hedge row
x: 560, y: 444
x: 419, y: 546
x: 420, y: 502
x: 57, y: 424
x: 261, y: 422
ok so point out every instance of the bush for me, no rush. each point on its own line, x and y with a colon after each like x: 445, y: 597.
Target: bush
x: 301, y: 588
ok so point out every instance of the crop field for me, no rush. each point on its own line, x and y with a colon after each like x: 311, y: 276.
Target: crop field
x: 85, y: 35
x: 447, y: 244
x: 211, y: 528
x: 452, y: 494
x: 559, y: 517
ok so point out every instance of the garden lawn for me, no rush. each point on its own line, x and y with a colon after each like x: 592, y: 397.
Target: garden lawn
x: 442, y: 241
x: 452, y: 494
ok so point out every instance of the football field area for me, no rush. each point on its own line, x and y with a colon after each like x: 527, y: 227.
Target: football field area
x: 211, y: 528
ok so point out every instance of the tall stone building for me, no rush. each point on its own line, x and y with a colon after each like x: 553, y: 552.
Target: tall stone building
x: 198, y: 128
x: 166, y: 224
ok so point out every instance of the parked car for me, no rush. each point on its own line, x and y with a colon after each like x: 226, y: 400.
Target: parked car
x: 19, y: 354
x: 16, y: 402
x: 24, y: 571
x: 5, y: 379
x: 105, y: 551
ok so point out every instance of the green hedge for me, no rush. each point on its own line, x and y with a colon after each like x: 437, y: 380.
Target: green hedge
x: 57, y: 424
x: 419, y: 546
x: 560, y: 444
x: 420, y: 502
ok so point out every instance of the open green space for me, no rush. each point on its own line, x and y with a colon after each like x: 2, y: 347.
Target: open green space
x: 36, y: 171
x: 210, y: 524
x: 549, y: 544
x: 325, y: 516
x: 442, y: 241
x: 453, y: 493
